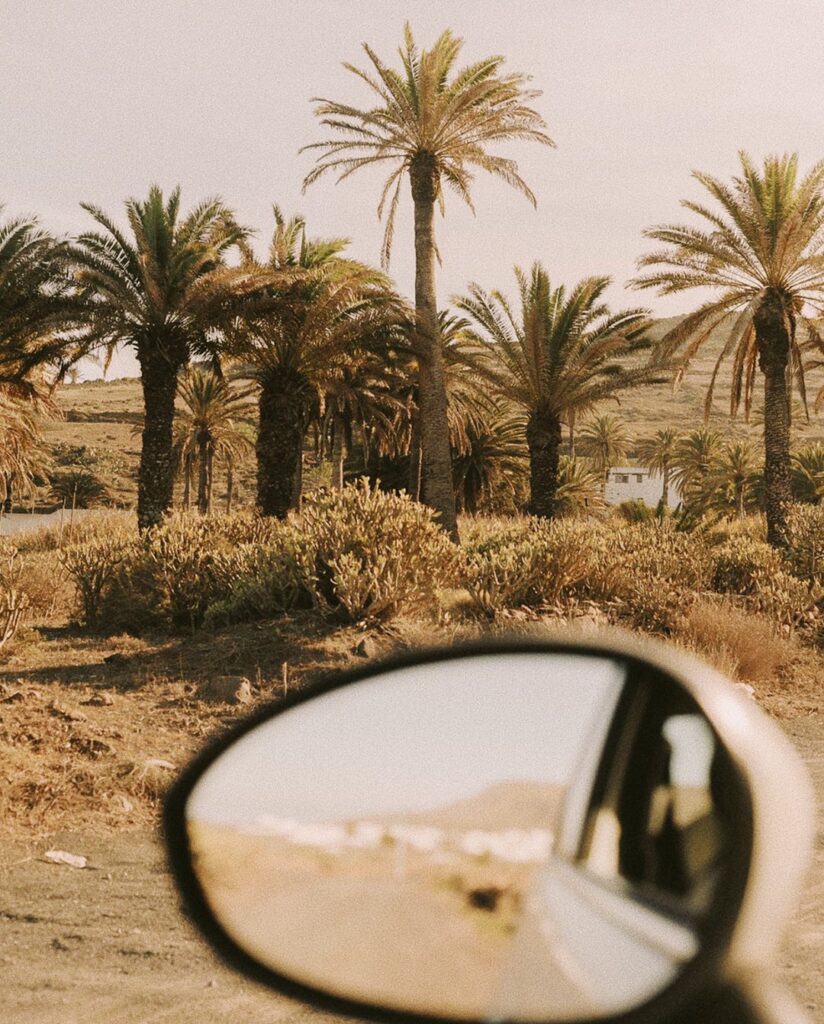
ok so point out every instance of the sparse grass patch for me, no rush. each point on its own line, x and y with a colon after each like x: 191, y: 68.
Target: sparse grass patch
x: 746, y: 646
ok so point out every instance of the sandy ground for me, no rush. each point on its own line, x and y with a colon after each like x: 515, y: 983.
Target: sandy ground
x: 108, y: 943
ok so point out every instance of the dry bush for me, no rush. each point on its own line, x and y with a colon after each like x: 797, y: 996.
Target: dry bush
x: 52, y: 538
x: 533, y: 563
x: 805, y: 533
x: 741, y: 644
x: 92, y: 565
x: 264, y: 580
x: 755, y: 571
x: 374, y: 552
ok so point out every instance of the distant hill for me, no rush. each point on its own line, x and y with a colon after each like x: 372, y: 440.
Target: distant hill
x: 504, y: 805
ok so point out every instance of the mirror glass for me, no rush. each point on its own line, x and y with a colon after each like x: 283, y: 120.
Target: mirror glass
x: 521, y: 836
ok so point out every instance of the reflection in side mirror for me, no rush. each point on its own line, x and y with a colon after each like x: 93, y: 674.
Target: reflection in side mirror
x: 525, y: 836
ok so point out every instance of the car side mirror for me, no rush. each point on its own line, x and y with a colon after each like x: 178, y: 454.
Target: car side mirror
x: 516, y: 831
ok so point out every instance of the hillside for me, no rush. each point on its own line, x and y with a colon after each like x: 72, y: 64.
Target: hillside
x: 100, y: 416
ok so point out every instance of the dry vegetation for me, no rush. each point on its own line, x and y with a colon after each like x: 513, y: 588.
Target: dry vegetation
x: 137, y: 648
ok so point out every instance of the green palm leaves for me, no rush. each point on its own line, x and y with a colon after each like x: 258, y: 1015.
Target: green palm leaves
x: 163, y: 288
x: 560, y: 351
x: 39, y: 318
x: 429, y: 107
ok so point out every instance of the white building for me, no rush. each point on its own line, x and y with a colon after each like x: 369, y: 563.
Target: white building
x: 630, y: 483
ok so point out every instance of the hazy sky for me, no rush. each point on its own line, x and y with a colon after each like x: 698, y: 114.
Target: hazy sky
x: 103, y: 97
x: 414, y: 739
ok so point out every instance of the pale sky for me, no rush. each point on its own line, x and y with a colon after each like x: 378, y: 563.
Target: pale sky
x: 102, y: 98
x: 414, y: 739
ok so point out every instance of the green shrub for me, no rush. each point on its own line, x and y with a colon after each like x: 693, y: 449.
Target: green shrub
x: 647, y: 573
x: 757, y: 572
x: 374, y: 552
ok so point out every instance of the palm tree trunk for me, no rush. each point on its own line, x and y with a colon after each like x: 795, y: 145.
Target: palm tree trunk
x: 210, y: 477
x: 187, y: 481
x: 279, y: 446
x: 415, y: 458
x: 9, y: 498
x: 155, y: 479
x: 338, y: 452
x: 203, y: 471
x: 773, y: 343
x: 436, y: 455
x: 230, y: 483
x: 571, y: 415
x: 665, y: 489
x: 543, y: 436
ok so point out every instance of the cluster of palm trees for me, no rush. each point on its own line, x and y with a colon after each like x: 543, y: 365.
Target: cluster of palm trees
x: 325, y: 345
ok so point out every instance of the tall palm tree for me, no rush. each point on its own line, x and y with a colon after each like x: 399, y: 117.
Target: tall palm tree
x: 163, y: 291
x: 696, y: 455
x: 604, y: 441
x: 808, y: 474
x: 209, y: 426
x: 562, y: 351
x: 432, y: 123
x: 657, y: 454
x: 761, y: 248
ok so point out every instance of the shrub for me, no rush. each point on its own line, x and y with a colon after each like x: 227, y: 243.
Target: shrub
x: 741, y: 564
x: 264, y: 580
x: 635, y: 511
x: 92, y: 565
x: 14, y: 601
x: 757, y: 572
x: 374, y: 552
x: 648, y: 573
x: 180, y: 568
x: 532, y: 563
x: 805, y: 533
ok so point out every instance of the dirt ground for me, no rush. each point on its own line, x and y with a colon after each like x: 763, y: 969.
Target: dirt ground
x: 108, y: 943
x: 81, y: 731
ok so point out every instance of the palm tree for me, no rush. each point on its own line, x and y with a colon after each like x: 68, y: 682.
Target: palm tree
x: 807, y: 474
x: 164, y: 291
x: 579, y: 489
x: 735, y: 482
x: 493, y: 459
x: 24, y: 455
x: 562, y: 352
x: 363, y: 392
x: 320, y: 317
x: 209, y: 426
x: 763, y: 253
x: 433, y: 123
x: 695, y: 457
x: 604, y: 441
x: 656, y: 454
x: 38, y: 313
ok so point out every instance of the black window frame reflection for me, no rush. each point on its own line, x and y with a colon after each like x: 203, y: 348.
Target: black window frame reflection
x: 625, y: 782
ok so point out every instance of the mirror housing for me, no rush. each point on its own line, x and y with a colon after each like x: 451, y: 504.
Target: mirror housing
x: 762, y: 869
